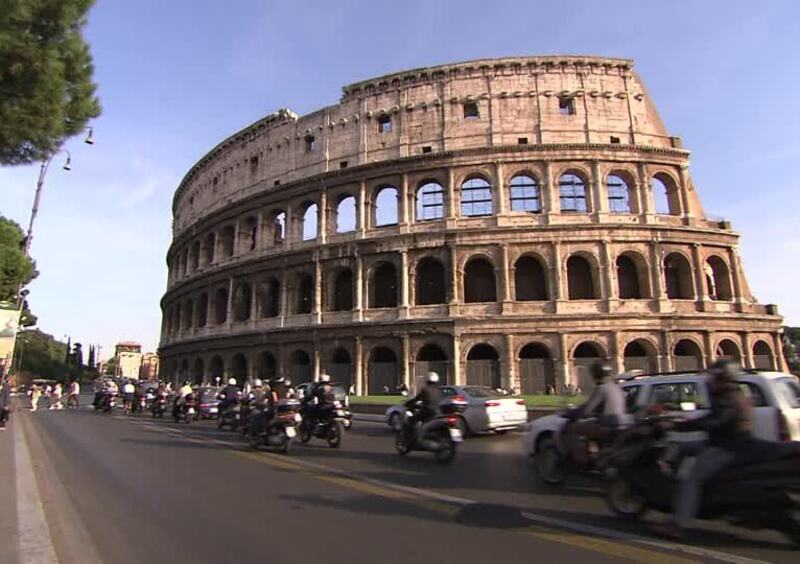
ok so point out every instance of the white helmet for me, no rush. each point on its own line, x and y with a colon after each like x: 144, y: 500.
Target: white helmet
x: 433, y: 378
x: 258, y: 383
x: 232, y: 382
x: 324, y: 377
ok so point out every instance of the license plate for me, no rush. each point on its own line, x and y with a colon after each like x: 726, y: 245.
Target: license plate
x: 455, y: 434
x: 190, y: 411
x: 290, y: 432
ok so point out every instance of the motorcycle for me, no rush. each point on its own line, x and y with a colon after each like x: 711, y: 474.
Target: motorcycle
x: 159, y: 406
x: 325, y: 422
x: 230, y: 416
x: 280, y: 430
x: 185, y: 410
x: 761, y: 495
x: 440, y: 435
x: 108, y: 403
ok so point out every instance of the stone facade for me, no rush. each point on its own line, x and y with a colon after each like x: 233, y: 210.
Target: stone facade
x: 500, y: 221
x: 128, y: 359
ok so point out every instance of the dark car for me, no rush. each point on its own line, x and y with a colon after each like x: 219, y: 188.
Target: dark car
x: 208, y: 406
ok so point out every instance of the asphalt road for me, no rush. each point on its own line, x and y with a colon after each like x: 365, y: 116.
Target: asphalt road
x: 129, y: 489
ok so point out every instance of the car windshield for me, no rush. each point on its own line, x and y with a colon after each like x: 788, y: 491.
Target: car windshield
x: 480, y: 392
x: 789, y: 389
x: 208, y: 394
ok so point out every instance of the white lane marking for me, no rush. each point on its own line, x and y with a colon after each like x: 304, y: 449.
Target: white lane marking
x: 35, y: 543
x: 538, y: 518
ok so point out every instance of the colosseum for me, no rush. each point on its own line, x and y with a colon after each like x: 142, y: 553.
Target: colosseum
x: 503, y: 222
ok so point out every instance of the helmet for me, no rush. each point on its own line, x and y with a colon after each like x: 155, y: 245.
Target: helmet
x: 280, y: 379
x: 432, y: 378
x: 601, y: 371
x: 324, y: 377
x: 724, y: 370
x: 186, y: 383
x: 258, y: 383
x: 232, y: 382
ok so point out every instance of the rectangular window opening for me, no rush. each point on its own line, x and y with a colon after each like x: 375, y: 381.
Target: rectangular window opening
x: 343, y: 164
x: 384, y: 123
x: 254, y: 165
x: 427, y: 149
x: 471, y: 110
x: 277, y: 183
x: 615, y: 140
x: 566, y: 105
x: 522, y: 140
x: 310, y: 143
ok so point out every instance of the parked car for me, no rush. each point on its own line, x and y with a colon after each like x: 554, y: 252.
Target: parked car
x: 487, y: 410
x: 208, y: 406
x: 775, y: 397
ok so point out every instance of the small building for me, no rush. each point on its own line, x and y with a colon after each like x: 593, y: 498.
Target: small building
x: 128, y: 359
x: 149, y: 367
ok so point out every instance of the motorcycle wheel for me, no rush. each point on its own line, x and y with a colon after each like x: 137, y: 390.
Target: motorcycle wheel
x: 625, y: 500
x: 401, y: 443
x: 791, y: 524
x: 396, y: 422
x: 220, y: 423
x: 254, y: 440
x: 188, y: 419
x: 305, y: 433
x: 447, y: 452
x: 347, y: 423
x: 335, y: 435
x: 550, y: 463
x: 283, y: 447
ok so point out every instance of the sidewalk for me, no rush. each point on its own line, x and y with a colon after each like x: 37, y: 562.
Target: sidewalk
x: 8, y: 495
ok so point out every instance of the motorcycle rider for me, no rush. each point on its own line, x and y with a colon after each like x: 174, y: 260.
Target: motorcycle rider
x: 729, y: 424
x: 598, y: 417
x: 228, y: 396
x: 128, y: 392
x: 259, y: 403
x: 180, y: 399
x: 429, y: 397
x: 320, y: 397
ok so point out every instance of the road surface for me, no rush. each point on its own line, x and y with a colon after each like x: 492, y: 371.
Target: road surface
x: 130, y: 489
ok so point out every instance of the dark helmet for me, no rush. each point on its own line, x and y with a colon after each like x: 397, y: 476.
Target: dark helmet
x: 724, y: 370
x: 601, y: 371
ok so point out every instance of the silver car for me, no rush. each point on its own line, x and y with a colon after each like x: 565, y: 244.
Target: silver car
x: 487, y: 410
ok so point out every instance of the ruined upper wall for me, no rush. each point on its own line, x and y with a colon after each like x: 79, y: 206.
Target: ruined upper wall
x: 517, y: 99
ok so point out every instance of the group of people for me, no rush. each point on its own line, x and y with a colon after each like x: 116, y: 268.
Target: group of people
x: 55, y: 395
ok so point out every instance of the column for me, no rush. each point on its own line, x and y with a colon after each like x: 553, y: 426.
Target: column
x: 550, y: 189
x: 736, y: 277
x: 260, y: 230
x: 777, y: 352
x: 747, y: 351
x: 322, y: 218
x: 505, y: 274
x: 317, y: 364
x: 610, y: 293
x: 316, y: 310
x: 254, y: 296
x: 617, y: 359
x: 686, y: 206
x: 288, y: 225
x: 229, y: 318
x: 560, y: 292
x: 657, y: 276
x: 404, y: 202
x: 451, y: 195
x: 666, y: 360
x: 500, y: 193
x: 711, y: 354
x: 362, y: 203
x: 236, y: 238
x: 403, y: 283
x: 511, y: 364
x: 566, y: 377
x: 645, y: 194
x: 457, y: 379
x: 358, y: 368
x: 699, y: 275
x: 407, y: 379
x: 359, y: 283
x: 600, y: 202
x: 454, y: 294
x: 283, y: 306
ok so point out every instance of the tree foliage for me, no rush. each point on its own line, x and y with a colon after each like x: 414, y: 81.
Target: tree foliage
x: 16, y: 270
x: 40, y: 355
x: 46, y: 89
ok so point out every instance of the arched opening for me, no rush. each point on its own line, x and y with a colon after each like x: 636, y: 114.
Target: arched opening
x: 208, y: 248
x: 483, y: 366
x: 530, y: 281
x: 430, y: 282
x: 383, y: 372
x: 762, y: 356
x: 678, y: 277
x: 248, y: 234
x: 304, y: 302
x: 386, y: 206
x: 536, y: 372
x: 188, y: 314
x: 266, y: 366
x: 430, y: 201
x: 202, y: 310
x: 384, y: 287
x: 630, y: 278
x: 239, y: 368
x: 341, y: 368
x: 580, y: 279
x: 184, y: 370
x: 270, y: 298
x: 194, y: 256
x: 583, y: 357
x: 727, y: 349
x: 242, y: 301
x: 300, y: 369
x: 198, y: 372
x: 524, y: 192
x: 310, y: 222
x: 343, y: 290
x: 476, y: 198
x: 640, y: 355
x: 346, y: 214
x: 479, y: 281
x: 216, y: 369
x: 572, y: 193
x: 619, y: 194
x: 220, y: 306
x: 718, y: 279
x: 665, y: 195
x: 277, y: 227
x: 227, y: 238
x: 431, y: 358
x: 178, y: 312
x: 687, y: 356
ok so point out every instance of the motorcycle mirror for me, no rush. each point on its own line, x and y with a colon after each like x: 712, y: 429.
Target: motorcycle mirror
x: 688, y: 406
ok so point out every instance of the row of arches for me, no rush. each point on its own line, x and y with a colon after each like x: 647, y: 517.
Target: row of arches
x: 532, y: 281
x: 476, y: 195
x: 536, y: 364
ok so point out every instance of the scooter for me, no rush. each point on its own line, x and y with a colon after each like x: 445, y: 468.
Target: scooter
x: 186, y: 410
x: 440, y: 436
x: 326, y: 423
x: 231, y: 417
x: 159, y: 406
x: 280, y: 430
x: 755, y: 496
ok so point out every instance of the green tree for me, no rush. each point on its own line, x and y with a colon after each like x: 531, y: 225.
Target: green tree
x: 46, y: 89
x: 40, y: 355
x: 16, y: 270
x: 111, y: 366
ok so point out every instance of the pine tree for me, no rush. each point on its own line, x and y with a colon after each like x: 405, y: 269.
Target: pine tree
x: 90, y: 363
x: 68, y: 356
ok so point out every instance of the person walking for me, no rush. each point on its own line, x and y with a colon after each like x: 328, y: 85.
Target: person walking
x: 36, y: 393
x: 55, y: 397
x: 5, y: 402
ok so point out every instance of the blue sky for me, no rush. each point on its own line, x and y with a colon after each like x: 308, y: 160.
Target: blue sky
x: 177, y: 77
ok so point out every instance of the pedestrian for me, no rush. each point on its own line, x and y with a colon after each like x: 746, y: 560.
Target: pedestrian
x: 55, y: 397
x: 5, y: 402
x: 36, y: 393
x: 74, y: 393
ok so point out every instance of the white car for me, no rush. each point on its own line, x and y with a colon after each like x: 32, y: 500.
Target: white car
x: 775, y: 397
